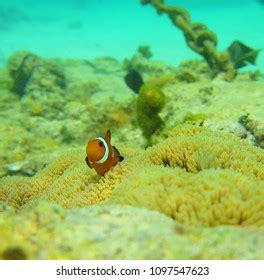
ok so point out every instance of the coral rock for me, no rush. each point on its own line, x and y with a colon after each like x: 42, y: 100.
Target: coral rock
x: 171, y: 201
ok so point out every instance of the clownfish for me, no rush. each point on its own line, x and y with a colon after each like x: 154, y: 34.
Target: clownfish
x: 101, y: 155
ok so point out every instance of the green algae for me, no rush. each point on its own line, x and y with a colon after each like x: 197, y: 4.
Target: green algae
x: 150, y: 102
x: 193, y: 118
x: 145, y: 51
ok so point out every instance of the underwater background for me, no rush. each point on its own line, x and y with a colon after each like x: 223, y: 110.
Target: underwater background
x: 88, y: 28
x: 180, y: 86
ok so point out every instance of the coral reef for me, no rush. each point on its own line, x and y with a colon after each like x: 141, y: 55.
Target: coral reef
x: 215, y: 104
x: 31, y: 74
x: 142, y: 63
x: 215, y: 189
x: 197, y: 186
x: 198, y: 37
x: 256, y: 128
x: 190, y: 148
x: 45, y: 118
x: 126, y: 232
x: 204, y: 186
x: 42, y: 124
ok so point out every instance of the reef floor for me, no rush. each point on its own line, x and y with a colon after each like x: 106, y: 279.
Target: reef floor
x: 195, y: 191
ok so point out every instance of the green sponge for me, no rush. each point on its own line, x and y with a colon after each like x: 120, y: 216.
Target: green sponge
x: 150, y: 102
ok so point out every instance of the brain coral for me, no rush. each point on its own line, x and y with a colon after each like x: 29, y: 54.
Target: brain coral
x: 197, y: 178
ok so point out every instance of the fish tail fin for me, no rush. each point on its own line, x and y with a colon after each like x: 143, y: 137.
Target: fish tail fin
x: 121, y: 158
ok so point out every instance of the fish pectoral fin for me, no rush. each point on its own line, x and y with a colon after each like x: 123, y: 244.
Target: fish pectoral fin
x: 121, y: 158
x: 108, y: 136
x: 88, y: 163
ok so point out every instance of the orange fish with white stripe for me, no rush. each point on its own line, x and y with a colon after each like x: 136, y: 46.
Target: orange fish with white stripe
x: 101, y: 155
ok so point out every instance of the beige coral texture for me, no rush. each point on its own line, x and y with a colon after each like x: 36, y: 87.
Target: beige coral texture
x: 195, y: 195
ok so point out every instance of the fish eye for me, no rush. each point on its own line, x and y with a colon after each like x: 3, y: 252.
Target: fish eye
x: 101, y: 144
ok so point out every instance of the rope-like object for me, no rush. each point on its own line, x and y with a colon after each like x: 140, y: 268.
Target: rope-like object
x: 198, y: 37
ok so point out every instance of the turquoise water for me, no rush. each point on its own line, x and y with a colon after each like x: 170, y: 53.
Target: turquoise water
x: 198, y: 194
x: 90, y: 28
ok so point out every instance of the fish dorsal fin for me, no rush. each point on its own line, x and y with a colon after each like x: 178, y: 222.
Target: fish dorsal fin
x: 108, y: 136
